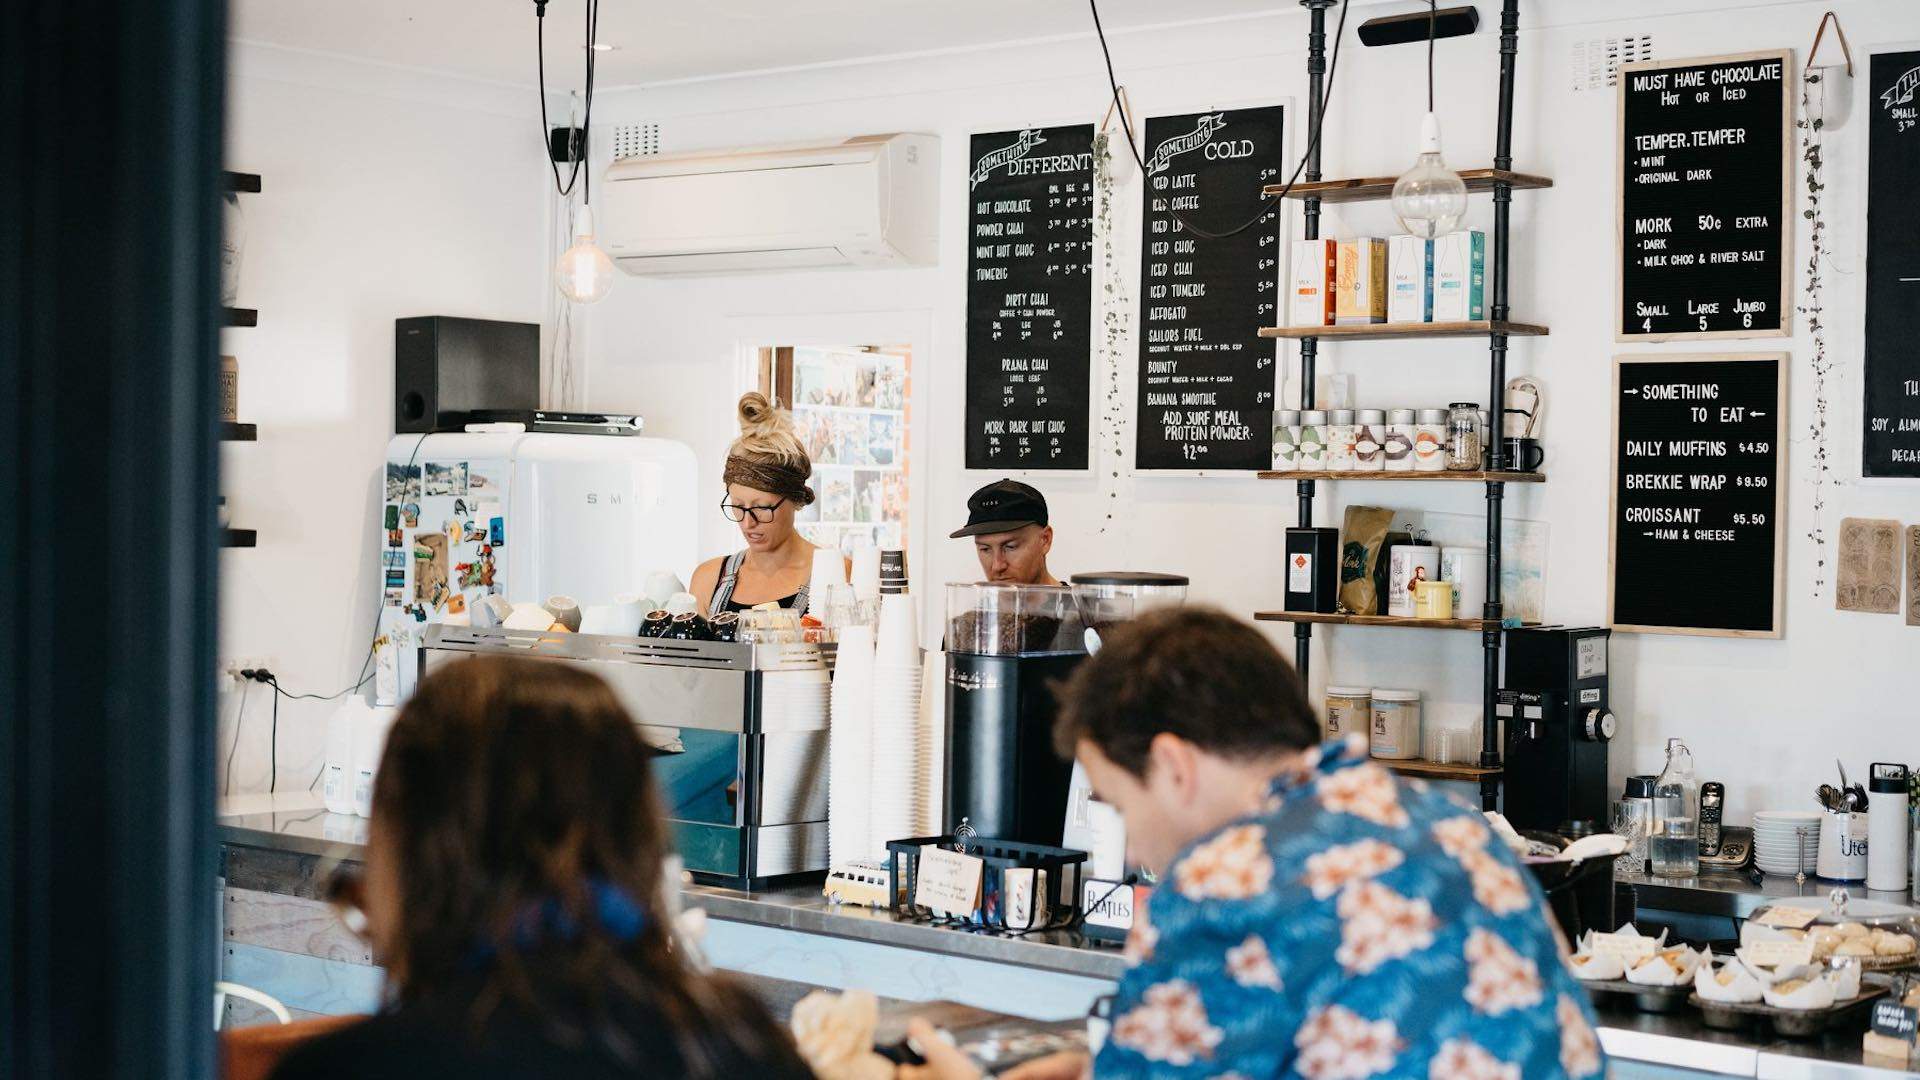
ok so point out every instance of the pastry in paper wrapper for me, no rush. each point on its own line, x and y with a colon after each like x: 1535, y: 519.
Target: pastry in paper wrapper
x: 1668, y: 967
x: 1601, y: 967
x: 1728, y: 982
x: 1751, y: 932
x: 1805, y: 988
x: 1846, y: 981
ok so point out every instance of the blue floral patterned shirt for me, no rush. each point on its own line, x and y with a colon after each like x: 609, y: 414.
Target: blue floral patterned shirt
x: 1357, y: 926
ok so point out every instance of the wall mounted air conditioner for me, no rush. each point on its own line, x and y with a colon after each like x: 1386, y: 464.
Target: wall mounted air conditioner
x: 866, y: 202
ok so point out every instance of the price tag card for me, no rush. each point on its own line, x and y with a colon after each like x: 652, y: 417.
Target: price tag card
x: 1896, y: 1021
x: 1628, y: 947
x: 1793, y: 918
x: 947, y: 882
x: 1780, y: 952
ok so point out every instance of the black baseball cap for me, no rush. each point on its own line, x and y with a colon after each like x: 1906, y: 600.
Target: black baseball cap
x: 1003, y: 506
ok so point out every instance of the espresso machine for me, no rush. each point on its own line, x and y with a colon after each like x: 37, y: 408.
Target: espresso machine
x: 1007, y: 647
x: 1554, y: 706
x: 739, y: 731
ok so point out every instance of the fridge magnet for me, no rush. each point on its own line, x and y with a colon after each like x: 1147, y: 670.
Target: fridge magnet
x: 497, y: 532
x: 393, y: 560
x: 438, y: 595
x: 397, y: 579
x: 1868, y: 574
x: 469, y: 574
x: 393, y: 515
x: 476, y: 532
x: 454, y: 530
x: 484, y: 478
x: 410, y: 515
x: 395, y: 538
x: 446, y: 478
x: 1913, y: 575
x: 430, y: 571
x: 394, y: 598
x: 456, y: 604
x: 403, y: 483
x: 459, y: 508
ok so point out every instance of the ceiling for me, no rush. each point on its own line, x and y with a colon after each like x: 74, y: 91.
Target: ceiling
x: 691, y: 39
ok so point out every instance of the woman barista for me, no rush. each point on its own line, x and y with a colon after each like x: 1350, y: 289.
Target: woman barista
x: 766, y: 478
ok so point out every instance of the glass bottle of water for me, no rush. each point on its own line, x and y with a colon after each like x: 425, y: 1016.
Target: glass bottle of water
x: 1675, y: 841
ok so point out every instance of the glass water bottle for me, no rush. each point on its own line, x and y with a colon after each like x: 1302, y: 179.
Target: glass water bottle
x: 1674, y: 845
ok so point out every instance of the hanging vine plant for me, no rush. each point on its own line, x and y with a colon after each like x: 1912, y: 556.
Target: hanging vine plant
x: 1813, y: 307
x: 1115, y: 316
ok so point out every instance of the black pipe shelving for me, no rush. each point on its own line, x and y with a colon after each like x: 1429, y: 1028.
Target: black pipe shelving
x: 1500, y: 181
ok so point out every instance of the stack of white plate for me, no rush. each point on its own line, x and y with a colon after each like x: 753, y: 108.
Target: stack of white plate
x: 1786, y: 841
x: 899, y: 739
x: 850, y: 750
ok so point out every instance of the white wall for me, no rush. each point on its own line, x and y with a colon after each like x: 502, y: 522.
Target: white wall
x: 1766, y: 717
x: 387, y: 193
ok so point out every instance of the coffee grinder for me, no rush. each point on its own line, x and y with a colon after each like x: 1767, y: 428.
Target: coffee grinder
x: 1007, y: 647
x: 1554, y: 704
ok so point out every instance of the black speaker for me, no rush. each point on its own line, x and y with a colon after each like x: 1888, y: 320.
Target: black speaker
x: 1414, y: 26
x: 445, y: 367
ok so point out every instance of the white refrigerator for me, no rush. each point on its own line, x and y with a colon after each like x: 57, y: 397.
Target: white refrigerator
x: 525, y: 516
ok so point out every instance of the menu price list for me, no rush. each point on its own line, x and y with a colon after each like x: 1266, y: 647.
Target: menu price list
x: 1697, y: 469
x: 1703, y: 197
x: 1890, y: 439
x: 1206, y: 379
x: 1030, y: 298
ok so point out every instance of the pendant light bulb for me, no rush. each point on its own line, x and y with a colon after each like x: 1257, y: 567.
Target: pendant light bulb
x: 584, y: 272
x: 1429, y: 199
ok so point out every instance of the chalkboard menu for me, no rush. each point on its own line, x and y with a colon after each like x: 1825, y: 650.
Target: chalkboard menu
x: 1206, y: 380
x: 1698, y: 450
x: 1705, y: 220
x: 1890, y: 439
x: 1029, y: 298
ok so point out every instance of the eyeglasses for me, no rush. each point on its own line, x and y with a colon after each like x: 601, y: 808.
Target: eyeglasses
x: 761, y: 514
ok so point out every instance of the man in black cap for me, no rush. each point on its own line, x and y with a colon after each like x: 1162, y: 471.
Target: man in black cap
x: 1008, y: 523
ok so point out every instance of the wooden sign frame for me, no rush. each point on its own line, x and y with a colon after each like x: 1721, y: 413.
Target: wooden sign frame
x: 1783, y: 359
x: 1786, y: 220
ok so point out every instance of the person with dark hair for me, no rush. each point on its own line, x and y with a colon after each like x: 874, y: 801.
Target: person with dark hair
x: 513, y: 891
x: 1314, y: 917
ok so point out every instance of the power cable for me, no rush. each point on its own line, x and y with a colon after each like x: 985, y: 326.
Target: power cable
x: 1268, y: 203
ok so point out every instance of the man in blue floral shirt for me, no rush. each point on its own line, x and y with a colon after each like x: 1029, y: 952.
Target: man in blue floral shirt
x: 1316, y: 917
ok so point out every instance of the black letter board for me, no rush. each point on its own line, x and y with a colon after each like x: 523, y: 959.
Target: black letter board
x: 1704, y: 231
x: 1890, y: 422
x: 1206, y: 379
x: 1029, y: 298
x: 1695, y: 529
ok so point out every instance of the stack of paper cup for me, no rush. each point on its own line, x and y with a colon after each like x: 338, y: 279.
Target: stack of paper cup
x: 866, y: 572
x: 829, y: 569
x: 850, y: 750
x: 1465, y: 568
x: 933, y: 740
x: 898, y: 750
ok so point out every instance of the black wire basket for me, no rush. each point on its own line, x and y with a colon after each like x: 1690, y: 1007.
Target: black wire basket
x: 1062, y: 869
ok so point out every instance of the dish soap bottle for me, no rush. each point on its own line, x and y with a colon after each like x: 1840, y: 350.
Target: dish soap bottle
x: 1675, y: 842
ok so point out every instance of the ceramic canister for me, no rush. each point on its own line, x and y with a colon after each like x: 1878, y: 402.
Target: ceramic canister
x: 1430, y: 441
x: 1286, y: 440
x: 1399, y: 441
x: 1340, y: 440
x: 1313, y: 440
x: 1369, y: 441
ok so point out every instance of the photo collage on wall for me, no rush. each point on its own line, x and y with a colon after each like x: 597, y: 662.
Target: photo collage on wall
x: 851, y: 408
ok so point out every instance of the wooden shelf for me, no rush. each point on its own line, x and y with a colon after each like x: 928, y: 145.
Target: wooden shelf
x: 232, y: 432
x: 1366, y: 188
x: 1433, y: 770
x: 242, y: 181
x: 1394, y: 621
x: 1476, y: 475
x: 239, y: 316
x: 238, y: 538
x: 1379, y: 331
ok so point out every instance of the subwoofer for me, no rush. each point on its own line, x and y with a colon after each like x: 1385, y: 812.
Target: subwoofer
x: 444, y: 368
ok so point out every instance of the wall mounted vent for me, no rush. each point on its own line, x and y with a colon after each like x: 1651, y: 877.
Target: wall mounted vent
x: 635, y: 140
x: 1595, y: 64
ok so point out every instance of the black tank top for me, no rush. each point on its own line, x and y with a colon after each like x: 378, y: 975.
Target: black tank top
x: 730, y: 576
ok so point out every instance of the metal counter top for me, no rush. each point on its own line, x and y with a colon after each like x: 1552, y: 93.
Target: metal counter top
x: 299, y: 824
x: 1681, y: 1041
x: 1737, y: 894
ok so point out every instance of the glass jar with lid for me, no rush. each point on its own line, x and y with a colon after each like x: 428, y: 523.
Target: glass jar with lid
x: 1463, y: 436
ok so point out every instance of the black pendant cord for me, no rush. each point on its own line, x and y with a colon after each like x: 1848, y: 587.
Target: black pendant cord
x: 1268, y: 203
x: 1433, y: 15
x: 577, y: 153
